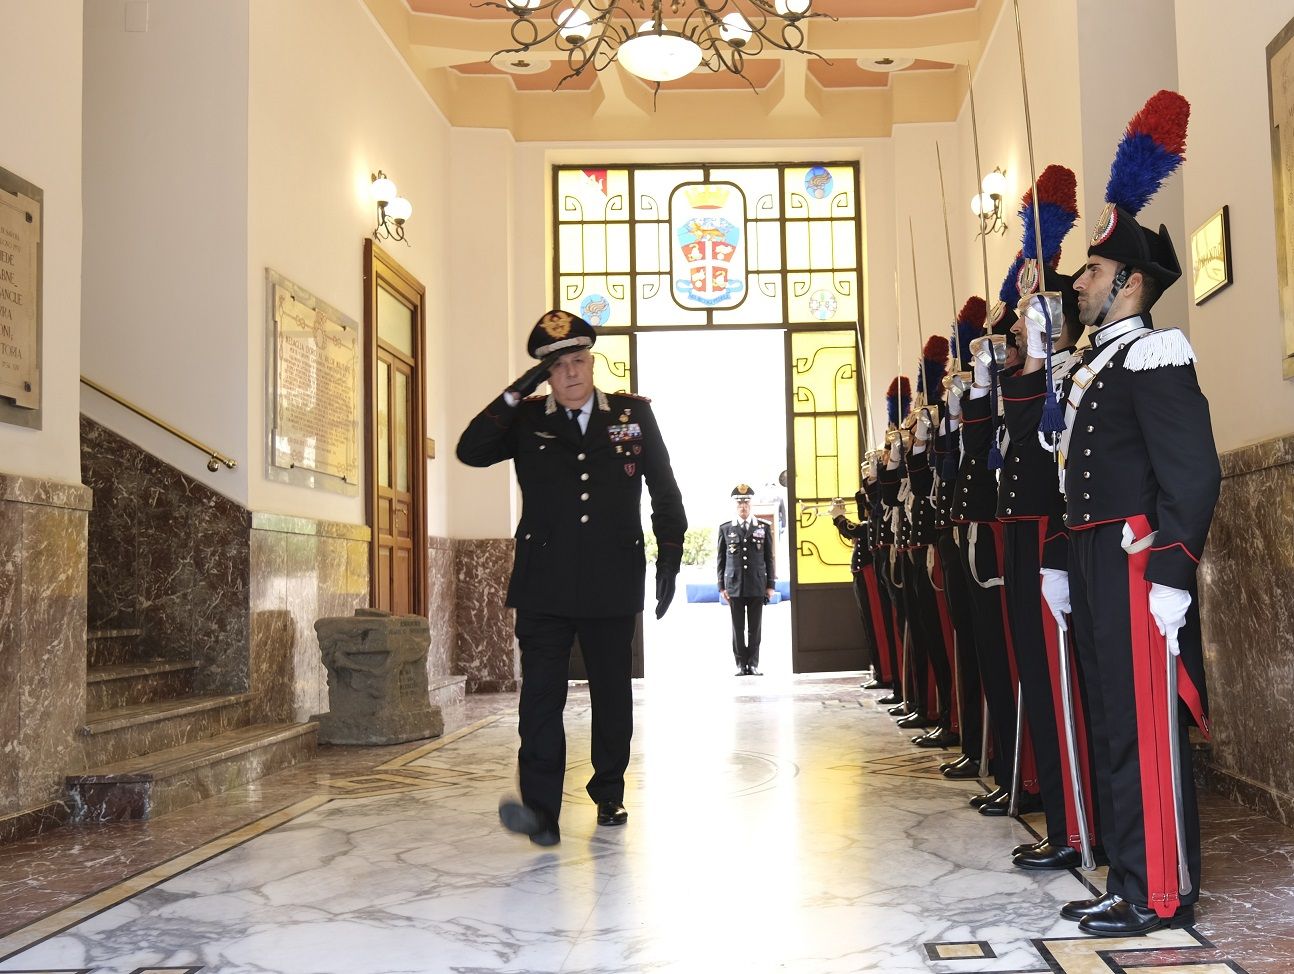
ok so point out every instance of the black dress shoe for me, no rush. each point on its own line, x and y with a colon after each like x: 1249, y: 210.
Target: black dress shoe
x: 741, y: 671
x: 1125, y: 919
x: 1028, y: 847
x: 752, y: 671
x: 957, y: 762
x: 962, y: 772
x: 979, y: 800
x: 1048, y: 856
x: 997, y: 807
x: 525, y: 820
x: 916, y: 721
x: 889, y: 699
x: 612, y: 813
x: 937, y: 738
x: 1078, y: 909
x: 875, y: 684
x: 900, y: 711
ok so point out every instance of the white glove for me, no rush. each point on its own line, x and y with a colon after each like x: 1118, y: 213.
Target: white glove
x: 837, y: 510
x: 923, y: 425
x: 1055, y: 589
x: 1168, y: 606
x: 896, y: 451
x: 1036, y: 338
x: 954, y: 406
x: 983, y: 378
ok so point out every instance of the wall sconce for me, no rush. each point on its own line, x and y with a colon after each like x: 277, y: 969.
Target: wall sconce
x: 987, y: 204
x: 392, y: 209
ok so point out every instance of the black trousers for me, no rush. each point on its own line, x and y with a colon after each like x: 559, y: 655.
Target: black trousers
x: 747, y: 626
x: 990, y: 646
x: 870, y: 652
x: 928, y: 647
x: 1102, y: 624
x: 957, y: 596
x: 1023, y: 559
x: 607, y: 648
x: 894, y: 629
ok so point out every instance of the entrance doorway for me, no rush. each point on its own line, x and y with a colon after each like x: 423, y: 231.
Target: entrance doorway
x: 720, y: 400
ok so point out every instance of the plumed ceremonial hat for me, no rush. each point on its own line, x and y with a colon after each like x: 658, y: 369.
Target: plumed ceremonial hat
x: 559, y: 331
x: 1152, y: 149
x: 1057, y: 213
x: 970, y: 326
x: 934, y: 366
x: 898, y: 400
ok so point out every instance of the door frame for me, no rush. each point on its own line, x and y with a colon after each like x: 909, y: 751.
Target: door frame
x: 380, y: 268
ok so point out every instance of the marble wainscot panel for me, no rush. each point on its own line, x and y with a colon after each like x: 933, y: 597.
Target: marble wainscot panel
x: 1247, y: 611
x: 42, y: 647
x: 485, y: 649
x: 301, y: 570
x: 169, y: 556
x: 446, y: 688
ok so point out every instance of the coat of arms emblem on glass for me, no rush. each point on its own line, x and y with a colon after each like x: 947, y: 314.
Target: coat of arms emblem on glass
x: 708, y: 259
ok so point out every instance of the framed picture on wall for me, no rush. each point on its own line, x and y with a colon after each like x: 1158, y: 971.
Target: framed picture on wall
x: 1211, y: 256
x: 1280, y: 106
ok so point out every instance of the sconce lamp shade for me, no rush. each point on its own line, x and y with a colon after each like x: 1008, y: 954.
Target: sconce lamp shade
x: 981, y: 203
x: 735, y: 30
x: 382, y: 190
x: 399, y: 209
x: 994, y: 183
x: 658, y: 55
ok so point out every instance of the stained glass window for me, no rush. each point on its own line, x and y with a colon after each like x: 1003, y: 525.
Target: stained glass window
x: 737, y: 246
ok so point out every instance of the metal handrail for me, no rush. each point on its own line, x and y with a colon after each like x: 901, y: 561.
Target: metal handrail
x: 215, y: 457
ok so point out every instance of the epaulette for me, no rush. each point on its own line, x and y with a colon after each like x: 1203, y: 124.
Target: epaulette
x: 1159, y: 349
x: 630, y: 395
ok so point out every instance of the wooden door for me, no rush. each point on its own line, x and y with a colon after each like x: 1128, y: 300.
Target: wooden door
x: 394, y: 317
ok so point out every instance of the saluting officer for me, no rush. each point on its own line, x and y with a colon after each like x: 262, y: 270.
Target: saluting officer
x: 1141, y: 479
x: 745, y: 578
x: 581, y: 458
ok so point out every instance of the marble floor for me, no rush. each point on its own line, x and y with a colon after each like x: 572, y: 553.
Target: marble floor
x: 777, y: 824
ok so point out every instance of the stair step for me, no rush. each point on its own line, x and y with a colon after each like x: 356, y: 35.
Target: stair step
x: 128, y: 684
x: 111, y: 647
x: 150, y: 784
x: 119, y: 733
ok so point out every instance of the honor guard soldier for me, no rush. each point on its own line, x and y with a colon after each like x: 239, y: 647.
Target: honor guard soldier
x: 746, y: 578
x: 881, y: 538
x: 581, y: 457
x: 1141, y: 479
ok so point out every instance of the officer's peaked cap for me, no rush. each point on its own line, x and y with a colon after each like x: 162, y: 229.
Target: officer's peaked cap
x: 743, y: 491
x: 559, y: 331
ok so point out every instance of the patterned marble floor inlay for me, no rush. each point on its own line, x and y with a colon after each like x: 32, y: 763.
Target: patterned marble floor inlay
x: 769, y: 831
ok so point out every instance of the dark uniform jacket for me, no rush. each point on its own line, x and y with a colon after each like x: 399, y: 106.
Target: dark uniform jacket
x: 881, y: 535
x: 892, y: 512
x: 975, y: 493
x: 1029, y: 486
x: 745, y: 559
x: 922, y: 511
x: 946, y: 458
x: 579, y: 546
x: 859, y: 532
x: 1142, y: 443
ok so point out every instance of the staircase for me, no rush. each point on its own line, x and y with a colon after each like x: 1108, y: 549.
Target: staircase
x: 153, y: 745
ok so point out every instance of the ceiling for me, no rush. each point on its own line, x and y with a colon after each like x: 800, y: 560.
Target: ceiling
x: 882, y: 62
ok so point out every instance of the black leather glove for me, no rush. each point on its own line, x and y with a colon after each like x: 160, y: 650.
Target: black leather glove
x: 529, y: 380
x: 668, y: 559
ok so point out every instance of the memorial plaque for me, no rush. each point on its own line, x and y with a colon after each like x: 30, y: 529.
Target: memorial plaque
x: 314, y: 435
x: 19, y: 298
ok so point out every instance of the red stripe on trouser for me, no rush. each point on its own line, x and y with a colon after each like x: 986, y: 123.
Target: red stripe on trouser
x: 883, y: 647
x: 1051, y: 638
x: 950, y: 645
x: 1150, y: 686
x: 1028, y: 765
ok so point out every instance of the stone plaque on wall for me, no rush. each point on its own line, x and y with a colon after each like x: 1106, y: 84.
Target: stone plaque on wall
x: 314, y: 390
x: 20, y: 298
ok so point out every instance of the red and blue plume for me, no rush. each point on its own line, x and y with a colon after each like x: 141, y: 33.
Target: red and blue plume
x: 898, y: 400
x: 1152, y: 148
x: 934, y: 366
x: 1057, y: 212
x: 970, y: 325
x: 1010, y: 291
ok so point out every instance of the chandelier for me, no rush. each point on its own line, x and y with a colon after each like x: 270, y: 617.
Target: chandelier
x: 717, y: 35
